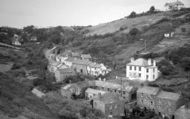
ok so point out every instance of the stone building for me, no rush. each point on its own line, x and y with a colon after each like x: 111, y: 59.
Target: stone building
x: 125, y: 91
x: 110, y: 104
x: 142, y: 70
x: 93, y: 93
x: 167, y: 103
x: 86, y: 57
x: 146, y: 97
x: 61, y: 74
x: 183, y: 112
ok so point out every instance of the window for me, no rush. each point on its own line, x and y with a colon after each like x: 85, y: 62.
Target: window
x: 124, y: 92
x: 146, y: 76
x: 139, y: 74
x: 147, y: 70
x: 110, y: 107
x: 135, y: 68
x: 139, y: 68
x: 115, y: 106
x: 130, y: 67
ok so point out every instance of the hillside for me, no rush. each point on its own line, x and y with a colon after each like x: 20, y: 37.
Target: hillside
x: 111, y: 43
x: 17, y: 100
x: 125, y: 23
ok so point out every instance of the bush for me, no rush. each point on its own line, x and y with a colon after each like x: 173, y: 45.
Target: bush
x: 185, y: 63
x: 134, y: 32
x: 151, y: 10
x: 165, y: 67
x: 183, y: 30
x: 132, y: 15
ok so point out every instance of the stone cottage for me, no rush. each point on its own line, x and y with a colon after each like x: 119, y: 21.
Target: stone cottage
x: 125, y: 91
x: 110, y: 104
x: 167, y: 103
x: 146, y: 97
x: 183, y: 112
x: 61, y: 74
x: 91, y: 93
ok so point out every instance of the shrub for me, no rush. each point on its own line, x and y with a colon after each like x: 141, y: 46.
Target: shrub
x: 185, y: 63
x: 134, y: 32
x: 183, y: 29
x: 132, y: 15
x: 165, y: 67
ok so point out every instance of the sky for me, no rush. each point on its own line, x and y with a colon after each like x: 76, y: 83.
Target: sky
x: 46, y: 13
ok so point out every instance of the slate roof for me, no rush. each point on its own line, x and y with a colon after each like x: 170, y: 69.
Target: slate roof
x: 107, y: 85
x: 139, y: 62
x: 148, y: 90
x: 38, y: 93
x: 66, y: 70
x: 116, y: 86
x: 108, y: 98
x: 94, y: 91
x: 87, y: 56
x: 83, y: 62
x: 168, y: 95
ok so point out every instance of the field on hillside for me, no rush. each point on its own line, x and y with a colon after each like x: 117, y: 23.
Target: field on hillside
x: 125, y: 23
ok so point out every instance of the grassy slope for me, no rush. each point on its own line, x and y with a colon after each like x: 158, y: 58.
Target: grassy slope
x: 16, y: 99
x: 127, y: 23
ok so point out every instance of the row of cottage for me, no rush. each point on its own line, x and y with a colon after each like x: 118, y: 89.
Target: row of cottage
x: 112, y: 99
x: 68, y: 63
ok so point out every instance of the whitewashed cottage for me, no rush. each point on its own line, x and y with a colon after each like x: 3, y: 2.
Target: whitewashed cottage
x: 142, y: 70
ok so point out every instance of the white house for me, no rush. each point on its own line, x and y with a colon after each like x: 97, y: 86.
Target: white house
x: 169, y: 35
x: 142, y: 70
x: 97, y: 69
x: 38, y: 93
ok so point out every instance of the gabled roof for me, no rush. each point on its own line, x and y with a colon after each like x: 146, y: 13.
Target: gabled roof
x: 109, y: 98
x: 115, y: 86
x: 139, y: 62
x: 38, y: 93
x: 148, y: 90
x: 87, y: 56
x: 66, y: 70
x: 168, y: 95
x: 94, y: 91
x: 107, y: 85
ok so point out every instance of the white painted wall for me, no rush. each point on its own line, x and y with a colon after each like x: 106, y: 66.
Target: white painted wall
x: 142, y: 75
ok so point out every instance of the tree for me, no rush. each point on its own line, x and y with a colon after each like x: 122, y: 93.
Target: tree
x: 134, y: 32
x: 185, y: 63
x: 132, y: 15
x: 29, y: 29
x: 152, y: 9
x: 165, y: 67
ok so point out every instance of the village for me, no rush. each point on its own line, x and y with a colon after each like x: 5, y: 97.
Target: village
x: 67, y: 75
x: 119, y: 97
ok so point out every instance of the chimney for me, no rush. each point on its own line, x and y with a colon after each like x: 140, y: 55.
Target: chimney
x: 149, y: 61
x: 154, y: 62
x: 104, y: 79
x: 132, y: 59
x: 99, y: 79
